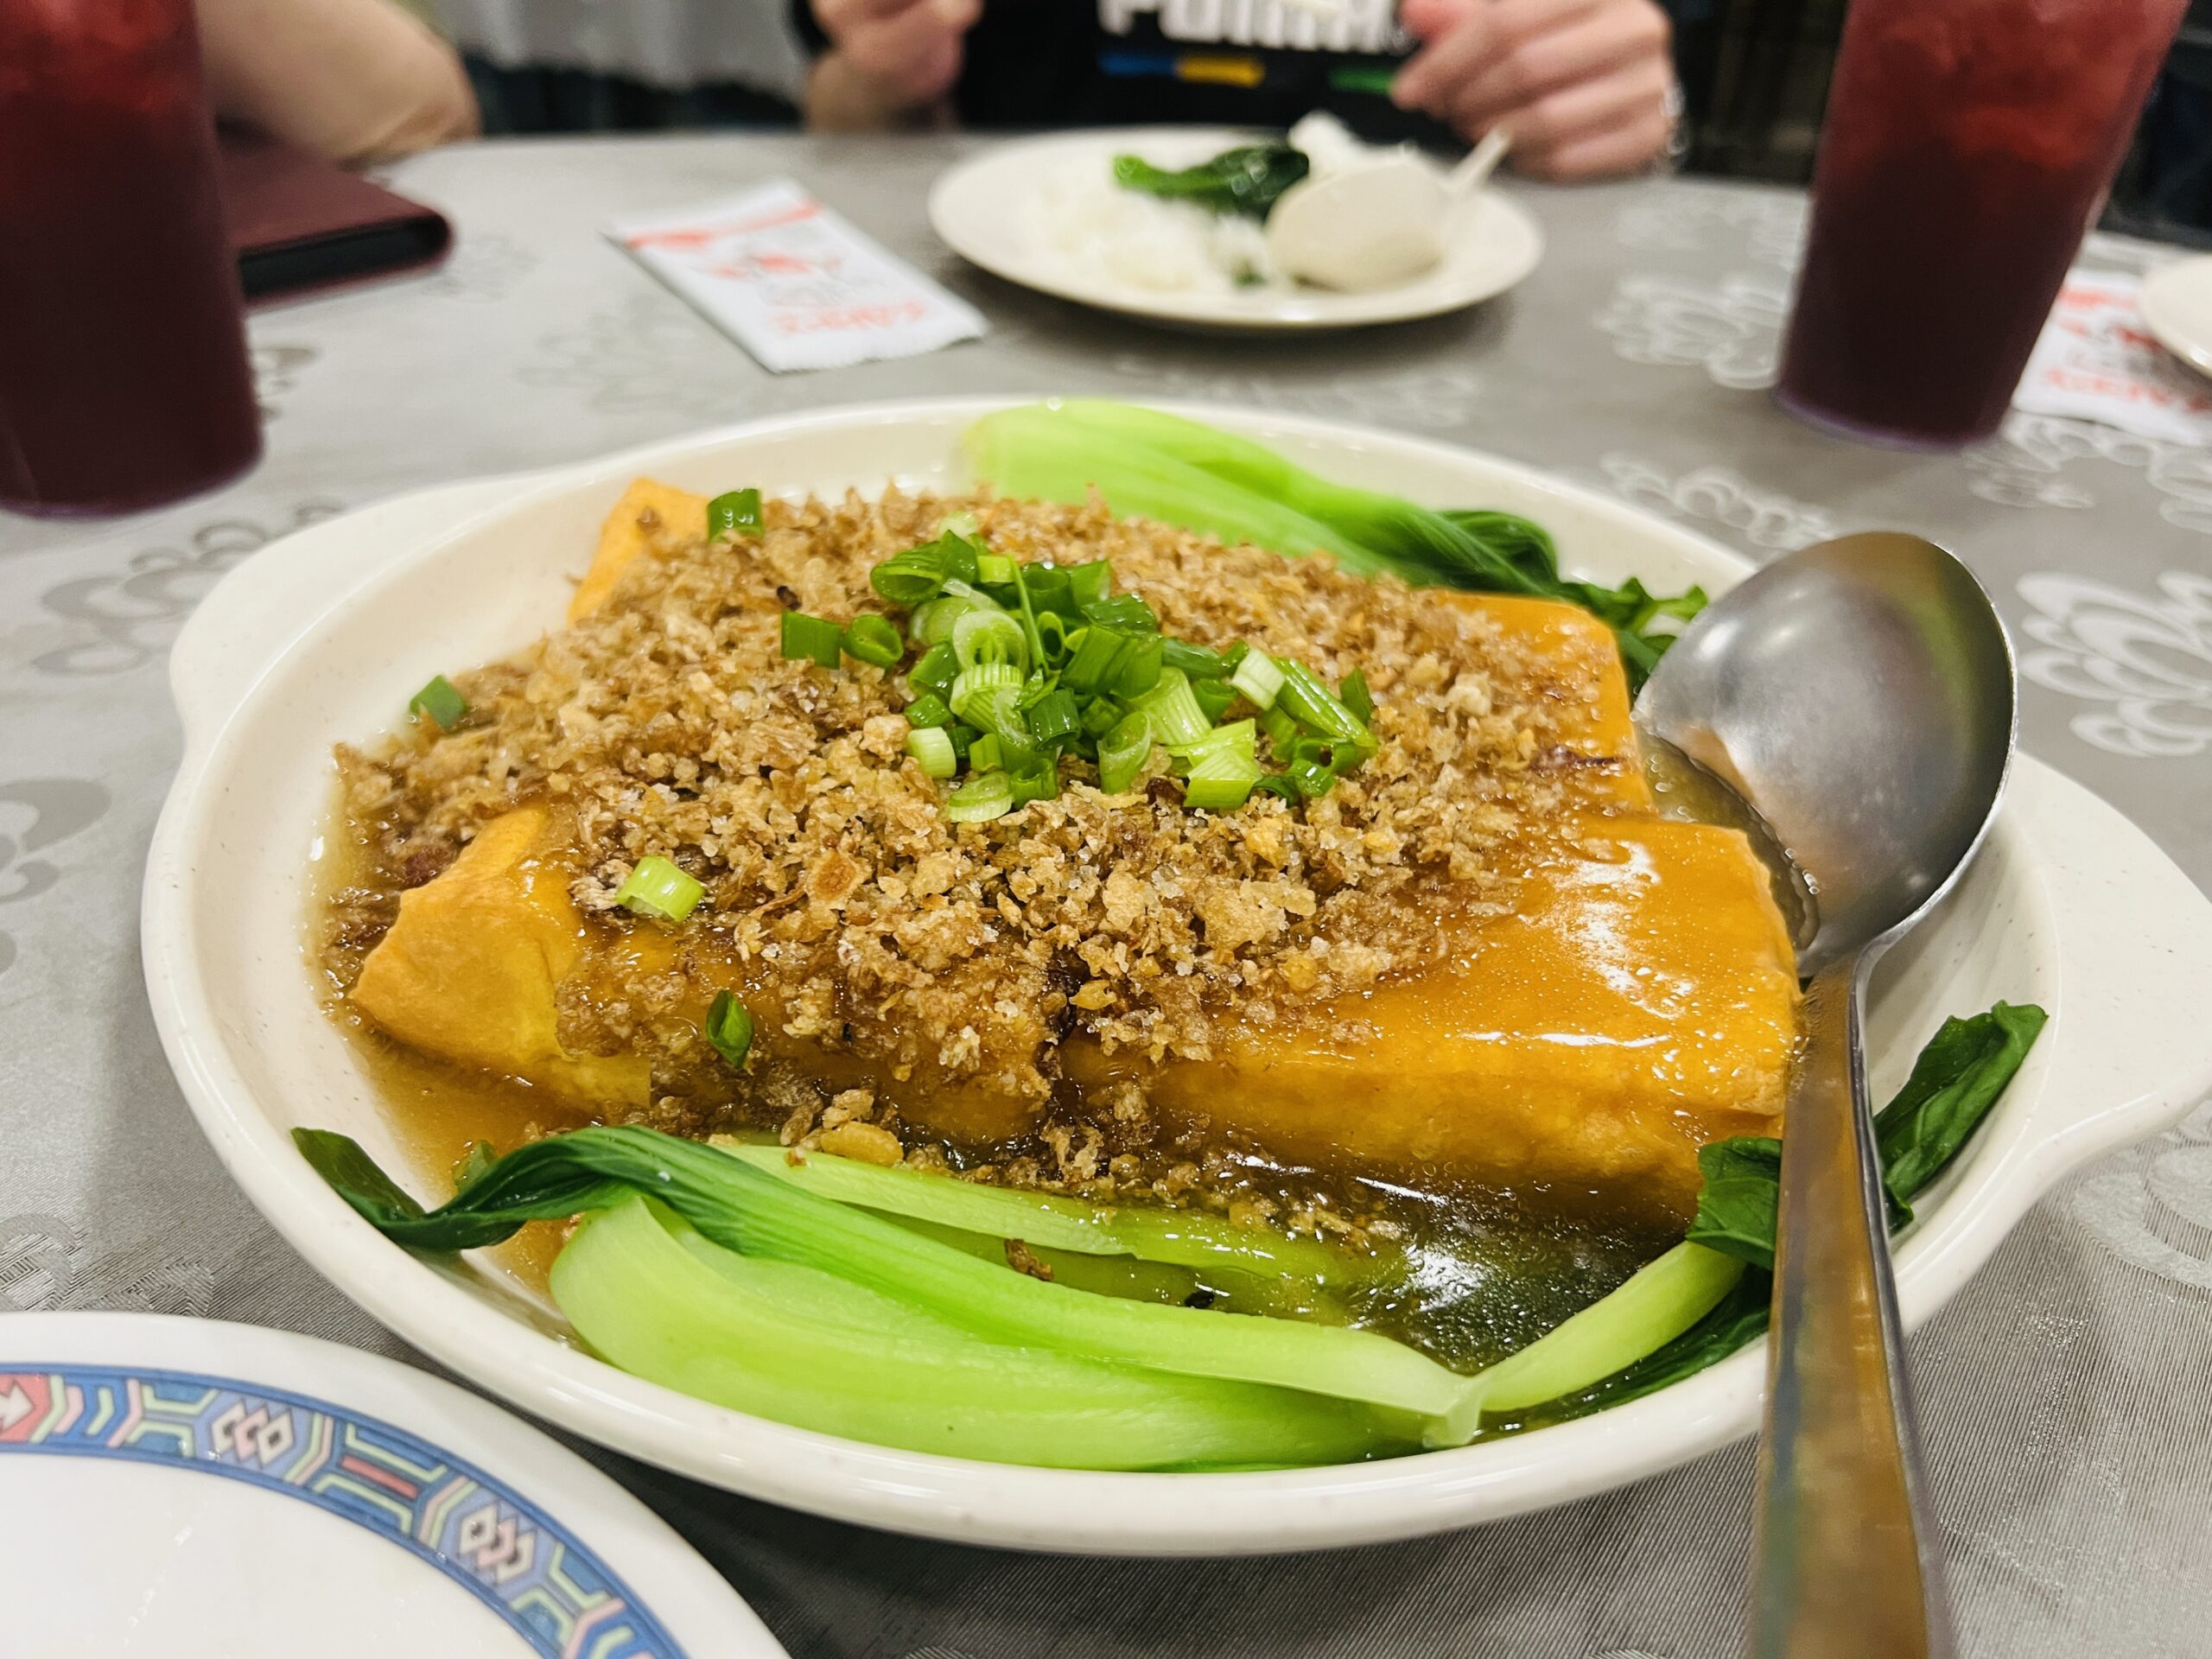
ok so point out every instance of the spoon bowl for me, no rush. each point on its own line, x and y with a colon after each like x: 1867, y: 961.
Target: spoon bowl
x: 1368, y: 219
x: 1858, y: 696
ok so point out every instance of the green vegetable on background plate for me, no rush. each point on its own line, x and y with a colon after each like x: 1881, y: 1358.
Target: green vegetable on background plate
x: 891, y: 1306
x: 1246, y: 180
x: 1183, y: 473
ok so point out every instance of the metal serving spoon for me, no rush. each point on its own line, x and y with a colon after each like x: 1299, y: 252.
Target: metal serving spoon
x: 1858, y: 696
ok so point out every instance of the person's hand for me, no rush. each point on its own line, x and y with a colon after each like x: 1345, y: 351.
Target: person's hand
x: 1583, y: 86
x: 899, y: 56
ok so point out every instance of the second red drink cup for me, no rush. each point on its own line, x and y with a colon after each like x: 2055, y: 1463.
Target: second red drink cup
x: 1967, y: 145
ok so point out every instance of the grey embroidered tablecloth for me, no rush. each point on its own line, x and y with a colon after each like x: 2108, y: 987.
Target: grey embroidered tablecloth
x: 2067, y: 1390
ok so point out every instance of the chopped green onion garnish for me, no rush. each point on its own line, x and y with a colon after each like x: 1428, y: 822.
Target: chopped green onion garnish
x: 1052, y: 639
x: 1053, y: 717
x: 874, y: 640
x: 1282, y: 729
x: 910, y: 578
x: 1048, y: 593
x: 928, y: 709
x: 1217, y: 794
x: 1275, y: 783
x: 1100, y: 715
x: 989, y: 636
x: 1035, y: 774
x: 729, y: 1028
x: 1258, y: 678
x: 1122, y: 753
x: 656, y: 887
x: 1125, y: 612
x: 1140, y: 668
x: 1176, y: 717
x: 932, y: 750
x: 439, y: 703
x: 963, y: 739
x: 985, y: 753
x: 1195, y: 662
x: 1094, y: 660
x: 1355, y: 695
x: 1314, y: 706
x: 1237, y: 738
x: 1213, y: 696
x: 809, y: 638
x: 1311, y: 780
x: 962, y: 523
x: 936, y: 671
x: 994, y: 570
x: 980, y: 798
x: 962, y: 558
x: 1089, y: 583
x: 737, y: 510
x: 930, y: 622
x: 988, y: 697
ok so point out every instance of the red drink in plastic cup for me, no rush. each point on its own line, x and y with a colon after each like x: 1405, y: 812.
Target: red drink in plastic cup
x: 1968, y: 144
x: 123, y: 379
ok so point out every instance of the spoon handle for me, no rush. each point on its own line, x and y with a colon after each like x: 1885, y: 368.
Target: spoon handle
x: 1845, y: 1565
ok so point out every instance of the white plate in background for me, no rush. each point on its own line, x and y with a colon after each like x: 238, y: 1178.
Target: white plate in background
x: 2176, y: 301
x: 321, y: 637
x: 984, y: 210
x: 185, y: 1489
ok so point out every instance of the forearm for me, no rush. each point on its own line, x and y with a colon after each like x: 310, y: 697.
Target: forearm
x: 355, y: 81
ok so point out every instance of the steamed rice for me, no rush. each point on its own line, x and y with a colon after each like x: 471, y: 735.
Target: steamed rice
x: 1093, y: 227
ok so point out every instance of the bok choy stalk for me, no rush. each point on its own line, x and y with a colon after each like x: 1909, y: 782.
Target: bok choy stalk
x: 1185, y: 1238
x: 1184, y: 472
x: 740, y: 1208
x: 1958, y: 1077
x: 802, y: 1346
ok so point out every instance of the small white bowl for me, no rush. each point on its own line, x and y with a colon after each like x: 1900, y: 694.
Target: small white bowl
x: 321, y: 637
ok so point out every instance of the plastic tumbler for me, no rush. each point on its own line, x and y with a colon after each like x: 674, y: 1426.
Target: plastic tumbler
x: 124, y: 376
x: 1968, y: 146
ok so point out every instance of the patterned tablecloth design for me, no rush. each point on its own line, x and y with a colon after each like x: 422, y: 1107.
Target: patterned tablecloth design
x: 2066, y: 1391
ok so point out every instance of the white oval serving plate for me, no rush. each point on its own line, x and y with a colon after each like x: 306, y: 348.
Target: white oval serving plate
x: 319, y: 638
x: 185, y: 1489
x: 984, y: 209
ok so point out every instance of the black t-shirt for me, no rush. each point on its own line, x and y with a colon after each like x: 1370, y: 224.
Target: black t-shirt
x: 1076, y: 63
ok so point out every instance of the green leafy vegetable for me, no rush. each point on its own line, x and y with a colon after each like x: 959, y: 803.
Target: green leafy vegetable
x: 869, y: 1302
x: 1246, y: 180
x: 1737, y: 1207
x: 742, y: 1209
x: 1958, y: 1077
x: 1953, y: 1083
x: 803, y: 1346
x: 1184, y: 472
x: 1186, y: 1237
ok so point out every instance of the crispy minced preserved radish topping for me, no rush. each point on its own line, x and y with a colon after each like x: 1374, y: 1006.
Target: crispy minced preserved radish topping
x: 667, y: 723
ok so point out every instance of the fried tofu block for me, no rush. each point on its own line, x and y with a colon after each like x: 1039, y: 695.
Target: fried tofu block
x: 467, y: 971
x: 1585, y: 683
x: 648, y: 514
x: 471, y: 973
x: 1638, y: 1000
